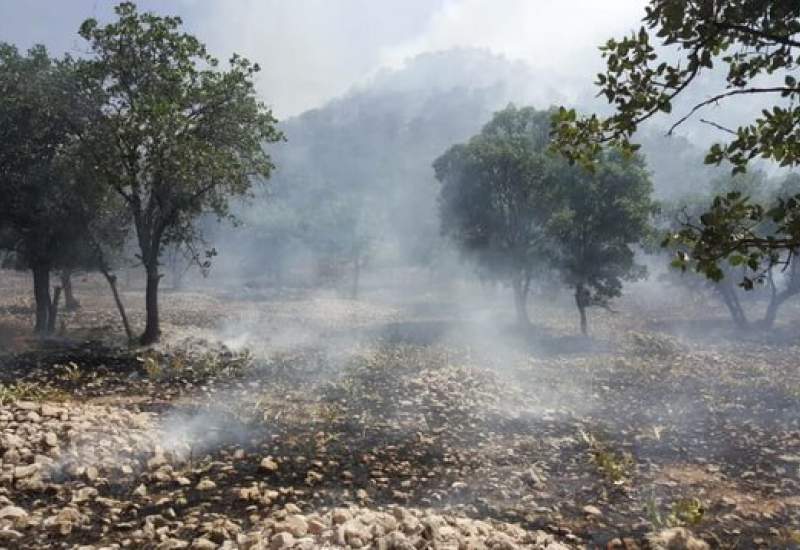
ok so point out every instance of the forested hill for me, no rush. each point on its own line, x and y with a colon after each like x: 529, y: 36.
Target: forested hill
x: 359, y: 169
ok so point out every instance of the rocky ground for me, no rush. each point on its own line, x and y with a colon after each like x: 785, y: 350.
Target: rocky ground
x: 381, y: 424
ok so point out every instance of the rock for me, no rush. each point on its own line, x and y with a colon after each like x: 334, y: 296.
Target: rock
x: 205, y: 485
x: 12, y: 456
x: 340, y: 515
x: 591, y: 510
x: 281, y: 540
x: 21, y: 472
x: 9, y: 535
x: 51, y: 439
x: 297, y: 525
x: 51, y: 411
x: 501, y: 541
x: 676, y: 538
x: 85, y: 494
x: 269, y: 464
x: 172, y: 544
x: 140, y: 491
x: 64, y: 521
x: 12, y: 512
x: 292, y: 509
x: 91, y: 473
x: 156, y: 461
x: 203, y: 544
x: 316, y: 527
x: 12, y: 441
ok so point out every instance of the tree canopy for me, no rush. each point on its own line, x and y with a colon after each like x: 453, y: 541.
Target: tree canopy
x: 517, y: 209
x: 598, y: 219
x: 177, y: 135
x: 757, y: 44
x: 494, y: 197
x: 41, y: 114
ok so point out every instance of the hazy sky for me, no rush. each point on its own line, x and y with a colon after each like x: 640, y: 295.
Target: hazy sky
x: 313, y: 50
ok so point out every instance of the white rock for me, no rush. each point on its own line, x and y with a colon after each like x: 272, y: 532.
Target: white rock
x: 12, y: 512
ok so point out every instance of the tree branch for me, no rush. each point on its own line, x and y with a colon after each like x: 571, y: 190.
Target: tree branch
x: 718, y: 97
x: 784, y: 40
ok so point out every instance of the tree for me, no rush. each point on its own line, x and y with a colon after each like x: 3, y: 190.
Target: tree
x: 781, y: 277
x: 757, y: 42
x: 494, y: 197
x: 41, y: 113
x: 177, y: 137
x: 340, y: 225
x: 597, y: 219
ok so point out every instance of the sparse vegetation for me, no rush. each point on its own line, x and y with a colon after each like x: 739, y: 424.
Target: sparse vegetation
x: 30, y: 391
x: 349, y: 374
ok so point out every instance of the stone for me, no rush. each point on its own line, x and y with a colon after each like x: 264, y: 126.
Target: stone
x: 297, y: 525
x: 591, y: 510
x: 316, y: 527
x: 269, y: 464
x: 12, y: 512
x: 340, y: 515
x: 203, y: 544
x: 676, y: 538
x: 21, y: 472
x: 205, y: 485
x: 140, y: 491
x: 281, y: 540
x: 51, y: 411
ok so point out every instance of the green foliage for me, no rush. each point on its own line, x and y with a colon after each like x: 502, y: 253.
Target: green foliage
x: 40, y: 113
x: 518, y: 209
x: 597, y: 218
x: 615, y: 466
x: 495, y: 193
x: 181, y: 365
x: 758, y: 44
x: 684, y: 511
x: 29, y: 391
x: 176, y: 136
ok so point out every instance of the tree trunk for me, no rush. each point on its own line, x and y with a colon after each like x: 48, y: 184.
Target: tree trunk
x: 52, y: 314
x: 772, y: 311
x: 728, y: 294
x: 69, y: 297
x: 152, y: 330
x: 112, y: 282
x: 41, y: 294
x: 580, y: 302
x: 521, y: 301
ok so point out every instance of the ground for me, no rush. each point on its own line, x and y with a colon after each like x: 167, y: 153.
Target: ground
x: 414, y: 417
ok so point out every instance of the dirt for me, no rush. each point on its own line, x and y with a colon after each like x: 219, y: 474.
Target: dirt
x: 424, y: 409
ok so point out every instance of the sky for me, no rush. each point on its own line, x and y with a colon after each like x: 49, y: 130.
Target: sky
x: 314, y: 50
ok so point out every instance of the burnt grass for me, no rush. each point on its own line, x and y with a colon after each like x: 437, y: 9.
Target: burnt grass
x: 631, y: 423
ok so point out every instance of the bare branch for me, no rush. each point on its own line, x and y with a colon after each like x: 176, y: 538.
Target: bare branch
x: 719, y: 97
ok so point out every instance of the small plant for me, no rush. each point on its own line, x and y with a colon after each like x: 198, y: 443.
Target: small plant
x: 151, y: 363
x: 71, y: 372
x: 653, y: 512
x: 788, y: 537
x: 686, y: 511
x: 615, y: 466
x: 29, y: 391
x: 330, y: 413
